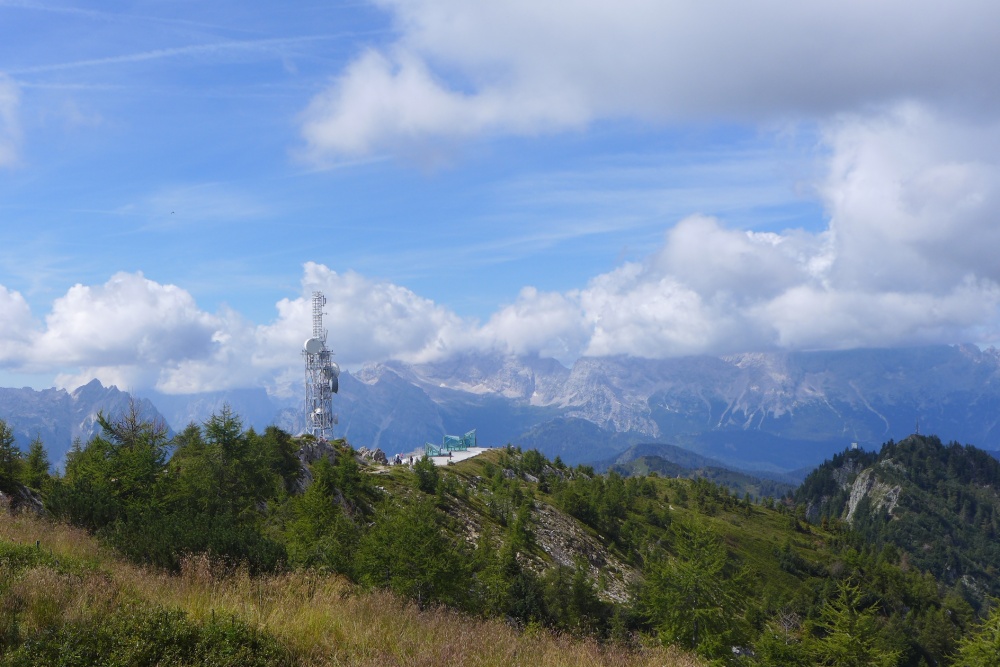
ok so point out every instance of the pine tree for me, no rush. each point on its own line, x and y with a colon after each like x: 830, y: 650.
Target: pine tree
x: 982, y: 647
x: 319, y: 533
x: 10, y: 457
x: 407, y: 551
x: 696, y: 599
x: 36, y: 465
x: 850, y: 633
x: 427, y: 474
x: 117, y: 474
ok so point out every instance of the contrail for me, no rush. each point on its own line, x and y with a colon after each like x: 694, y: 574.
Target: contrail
x: 195, y: 49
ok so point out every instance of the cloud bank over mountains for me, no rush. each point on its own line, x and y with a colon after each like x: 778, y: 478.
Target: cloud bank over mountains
x: 906, y: 259
x: 904, y: 98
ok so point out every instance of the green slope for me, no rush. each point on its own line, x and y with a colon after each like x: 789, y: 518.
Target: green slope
x: 515, y: 538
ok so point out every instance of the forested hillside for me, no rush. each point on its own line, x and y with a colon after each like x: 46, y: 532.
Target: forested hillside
x: 614, y: 566
x: 937, y: 505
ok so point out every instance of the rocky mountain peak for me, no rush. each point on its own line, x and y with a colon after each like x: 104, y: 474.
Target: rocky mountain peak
x: 91, y: 391
x: 59, y: 417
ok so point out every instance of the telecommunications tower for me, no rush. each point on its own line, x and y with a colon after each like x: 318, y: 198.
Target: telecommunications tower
x: 321, y: 376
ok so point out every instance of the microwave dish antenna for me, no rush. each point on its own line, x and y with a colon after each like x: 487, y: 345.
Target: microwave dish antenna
x: 321, y: 376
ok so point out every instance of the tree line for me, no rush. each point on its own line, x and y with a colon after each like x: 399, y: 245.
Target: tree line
x: 804, y: 594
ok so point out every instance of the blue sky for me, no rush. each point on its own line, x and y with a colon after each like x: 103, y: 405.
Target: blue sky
x: 639, y: 177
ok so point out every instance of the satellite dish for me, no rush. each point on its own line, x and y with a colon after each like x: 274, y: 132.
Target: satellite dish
x: 334, y: 384
x: 335, y: 369
x: 313, y: 346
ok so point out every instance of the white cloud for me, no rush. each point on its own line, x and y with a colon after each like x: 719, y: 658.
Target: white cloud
x: 913, y: 198
x: 10, y: 125
x: 903, y: 93
x: 807, y: 317
x: 395, y: 103
x: 515, y: 66
x: 137, y: 333
x: 742, y: 265
x: 371, y: 320
x: 18, y: 326
x: 635, y: 312
x: 545, y: 323
x: 907, y: 258
x: 129, y: 319
x: 130, y: 331
x: 230, y: 361
x: 367, y: 320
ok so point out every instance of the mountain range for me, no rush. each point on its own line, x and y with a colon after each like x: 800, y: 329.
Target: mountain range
x: 770, y: 411
x: 778, y: 411
x: 58, y: 417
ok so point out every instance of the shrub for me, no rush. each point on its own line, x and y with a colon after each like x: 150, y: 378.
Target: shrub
x: 140, y: 636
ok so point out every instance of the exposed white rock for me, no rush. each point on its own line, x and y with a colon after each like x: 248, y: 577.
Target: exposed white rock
x: 882, y: 496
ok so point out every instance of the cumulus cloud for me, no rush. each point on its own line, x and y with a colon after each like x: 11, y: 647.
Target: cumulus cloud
x: 127, y: 320
x: 366, y: 319
x: 638, y: 313
x: 10, y: 126
x: 514, y: 66
x: 806, y: 317
x: 903, y: 93
x: 911, y: 196
x: 745, y: 265
x: 908, y: 257
x: 18, y: 326
x: 129, y: 331
x: 382, y: 103
x: 137, y: 333
x: 548, y: 324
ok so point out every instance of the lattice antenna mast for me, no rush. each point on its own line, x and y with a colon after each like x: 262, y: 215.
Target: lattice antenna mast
x: 322, y: 375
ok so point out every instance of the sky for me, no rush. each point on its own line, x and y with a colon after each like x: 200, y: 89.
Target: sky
x: 651, y: 178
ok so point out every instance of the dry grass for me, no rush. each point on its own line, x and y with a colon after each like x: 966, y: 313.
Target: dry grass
x: 58, y: 539
x: 321, y: 618
x: 47, y: 597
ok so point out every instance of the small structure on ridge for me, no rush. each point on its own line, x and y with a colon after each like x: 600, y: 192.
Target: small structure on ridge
x: 452, y: 443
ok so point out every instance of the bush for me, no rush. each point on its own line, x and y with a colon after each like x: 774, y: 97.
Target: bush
x: 427, y: 474
x: 163, y: 539
x: 139, y: 636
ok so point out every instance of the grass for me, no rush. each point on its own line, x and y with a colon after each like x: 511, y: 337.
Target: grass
x: 317, y: 619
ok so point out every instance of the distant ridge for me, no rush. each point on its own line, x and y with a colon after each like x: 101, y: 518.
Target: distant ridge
x: 672, y: 453
x: 673, y: 461
x: 59, y: 417
x: 773, y: 413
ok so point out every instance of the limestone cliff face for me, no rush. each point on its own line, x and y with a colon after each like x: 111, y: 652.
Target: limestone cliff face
x: 882, y: 496
x: 859, y: 482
